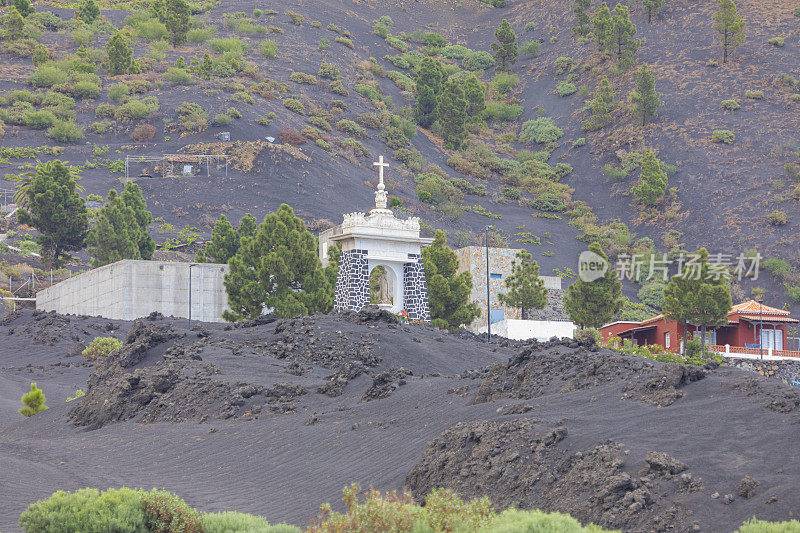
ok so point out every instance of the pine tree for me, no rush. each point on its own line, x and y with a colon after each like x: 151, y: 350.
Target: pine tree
x: 651, y: 7
x: 176, y: 19
x: 603, y: 28
x: 120, y: 55
x: 134, y: 200
x: 56, y: 210
x: 624, y: 45
x: 601, y: 106
x: 653, y: 184
x: 452, y: 111
x: 14, y: 24
x: 644, y: 97
x: 277, y: 269
x: 204, y: 70
x: 729, y: 26
x: 33, y: 401
x: 580, y: 9
x: 24, y: 8
x: 475, y: 93
x: 525, y: 288
x: 594, y: 303
x: 694, y: 296
x: 448, y: 291
x: 88, y: 12
x: 225, y: 240
x: 115, y: 234
x: 428, y: 84
x: 505, y: 49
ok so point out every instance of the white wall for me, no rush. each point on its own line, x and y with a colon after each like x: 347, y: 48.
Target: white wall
x: 520, y: 330
x: 131, y: 289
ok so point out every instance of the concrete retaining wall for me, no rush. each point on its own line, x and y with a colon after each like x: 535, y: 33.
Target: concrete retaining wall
x: 542, y: 330
x: 130, y: 289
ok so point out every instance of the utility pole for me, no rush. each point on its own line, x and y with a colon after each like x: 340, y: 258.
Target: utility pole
x: 761, y: 327
x: 488, y: 292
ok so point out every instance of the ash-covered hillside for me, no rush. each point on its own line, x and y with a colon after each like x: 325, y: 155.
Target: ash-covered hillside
x: 295, y: 409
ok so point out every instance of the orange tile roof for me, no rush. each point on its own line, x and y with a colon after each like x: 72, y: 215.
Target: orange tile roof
x: 748, y: 309
x: 752, y: 306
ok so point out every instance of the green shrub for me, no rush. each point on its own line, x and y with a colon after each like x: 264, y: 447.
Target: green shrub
x: 178, y: 76
x: 339, y: 88
x: 193, y: 117
x: 579, y: 142
x: 82, y: 37
x: 514, y: 521
x: 730, y: 105
x: 268, y: 48
x: 562, y: 65
x: 723, y: 136
x: 345, y: 41
x: 295, y: 18
x: 243, y: 96
x: 756, y: 95
x: 479, y: 60
x: 368, y: 91
x: 302, y: 77
x: 329, y: 72
x: 397, y: 44
x: 101, y: 347
x: 118, y: 90
x: 40, y: 120
x: 87, y: 510
x: 294, y: 105
x: 777, y: 218
x: 135, y: 109
x: 321, y: 123
x: 760, y: 526
x: 502, y: 112
x: 504, y: 82
x: 47, y: 75
x: 776, y: 42
x: 104, y: 111
x: 151, y: 30
x: 565, y: 88
x: 165, y: 512
x: 455, y: 51
x: 542, y: 130
x: 228, y: 45
x: 350, y: 128
x: 437, y: 189
x: 233, y: 522
x: 201, y: 35
x: 370, y: 120
x: 65, y: 131
x: 777, y: 267
x: 530, y: 48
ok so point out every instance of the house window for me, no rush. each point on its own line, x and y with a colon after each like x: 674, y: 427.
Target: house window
x: 496, y: 276
x: 666, y: 340
x: 497, y: 315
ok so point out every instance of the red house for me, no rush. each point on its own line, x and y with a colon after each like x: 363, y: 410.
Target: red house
x: 747, y: 323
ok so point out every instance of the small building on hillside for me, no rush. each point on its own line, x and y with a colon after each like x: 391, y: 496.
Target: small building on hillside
x: 552, y: 321
x: 752, y: 328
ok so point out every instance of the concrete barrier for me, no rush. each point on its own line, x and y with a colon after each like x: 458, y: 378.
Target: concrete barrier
x: 131, y: 289
x: 542, y: 330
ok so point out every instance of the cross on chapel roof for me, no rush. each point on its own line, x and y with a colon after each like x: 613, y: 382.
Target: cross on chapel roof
x: 380, y: 194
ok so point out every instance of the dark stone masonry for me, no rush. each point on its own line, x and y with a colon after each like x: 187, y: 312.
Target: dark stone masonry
x: 352, y: 284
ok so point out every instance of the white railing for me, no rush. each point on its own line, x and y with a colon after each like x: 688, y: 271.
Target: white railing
x: 751, y: 353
